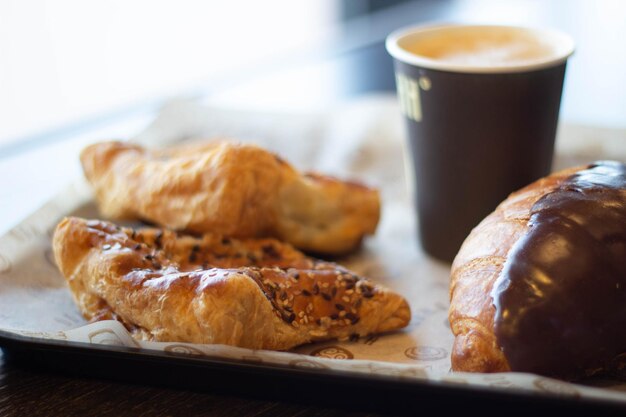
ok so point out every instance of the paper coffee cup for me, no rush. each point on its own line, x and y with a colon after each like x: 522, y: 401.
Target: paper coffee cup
x: 481, y: 105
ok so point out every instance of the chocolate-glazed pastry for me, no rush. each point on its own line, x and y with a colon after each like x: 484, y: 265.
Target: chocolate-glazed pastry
x: 540, y: 285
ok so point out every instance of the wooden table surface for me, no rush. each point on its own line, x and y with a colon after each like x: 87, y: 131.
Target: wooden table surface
x: 28, y: 392
x: 31, y: 391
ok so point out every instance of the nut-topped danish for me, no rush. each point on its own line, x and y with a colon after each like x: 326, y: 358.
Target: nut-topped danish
x: 254, y: 293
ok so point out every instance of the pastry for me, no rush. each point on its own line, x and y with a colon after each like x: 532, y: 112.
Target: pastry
x: 540, y: 284
x: 254, y: 293
x: 231, y: 189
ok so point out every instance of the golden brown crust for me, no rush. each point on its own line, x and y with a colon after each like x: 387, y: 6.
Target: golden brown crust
x: 475, y: 270
x: 231, y: 189
x: 255, y: 293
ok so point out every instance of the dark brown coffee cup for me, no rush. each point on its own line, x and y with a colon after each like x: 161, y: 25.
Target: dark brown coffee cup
x: 481, y: 122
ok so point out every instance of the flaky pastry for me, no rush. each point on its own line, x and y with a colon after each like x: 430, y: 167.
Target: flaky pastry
x: 254, y: 293
x: 231, y: 189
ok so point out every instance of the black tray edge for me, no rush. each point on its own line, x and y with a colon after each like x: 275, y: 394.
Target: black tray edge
x: 280, y: 382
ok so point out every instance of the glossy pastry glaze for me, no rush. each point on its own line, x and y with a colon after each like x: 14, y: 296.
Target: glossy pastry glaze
x: 561, y: 297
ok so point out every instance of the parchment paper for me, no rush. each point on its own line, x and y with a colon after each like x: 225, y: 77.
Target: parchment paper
x: 361, y: 140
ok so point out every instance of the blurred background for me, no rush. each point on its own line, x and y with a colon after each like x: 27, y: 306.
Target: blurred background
x: 75, y: 71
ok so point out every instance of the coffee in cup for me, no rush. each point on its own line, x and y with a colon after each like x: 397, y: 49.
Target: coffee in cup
x: 481, y: 105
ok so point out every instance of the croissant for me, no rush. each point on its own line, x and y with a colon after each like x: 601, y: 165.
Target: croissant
x: 254, y: 293
x: 231, y: 189
x: 540, y: 284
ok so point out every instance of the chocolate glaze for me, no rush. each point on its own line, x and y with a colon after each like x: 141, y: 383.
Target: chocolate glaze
x: 561, y: 297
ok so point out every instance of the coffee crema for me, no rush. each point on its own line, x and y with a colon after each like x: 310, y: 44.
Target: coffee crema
x: 561, y: 295
x: 478, y: 48
x: 486, y: 46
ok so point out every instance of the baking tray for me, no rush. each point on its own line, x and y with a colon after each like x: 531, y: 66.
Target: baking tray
x: 39, y: 311
x: 403, y: 372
